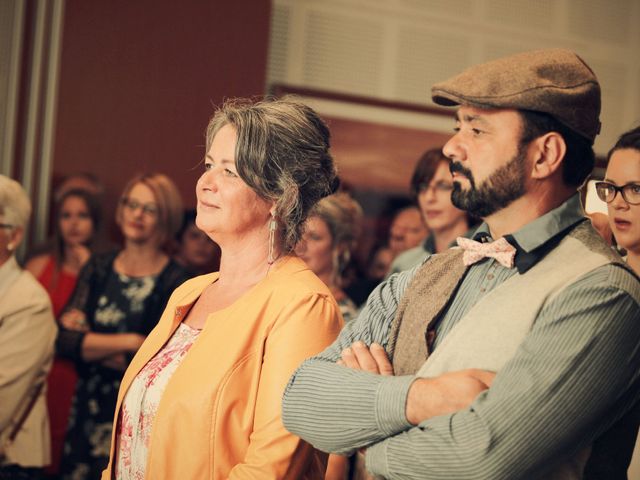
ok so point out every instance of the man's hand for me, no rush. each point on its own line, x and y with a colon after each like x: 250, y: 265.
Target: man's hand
x: 446, y: 393
x: 371, y: 359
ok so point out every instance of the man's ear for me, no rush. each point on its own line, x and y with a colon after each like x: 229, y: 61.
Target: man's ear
x: 548, y: 152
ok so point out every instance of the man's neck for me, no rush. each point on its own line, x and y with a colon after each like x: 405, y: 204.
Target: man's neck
x: 525, y: 210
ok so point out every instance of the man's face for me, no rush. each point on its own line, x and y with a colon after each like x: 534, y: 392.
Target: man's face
x: 489, y: 168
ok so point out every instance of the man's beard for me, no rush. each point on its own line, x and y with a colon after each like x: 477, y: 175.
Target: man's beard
x: 501, y: 188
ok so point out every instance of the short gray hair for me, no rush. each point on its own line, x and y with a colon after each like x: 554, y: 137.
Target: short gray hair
x: 14, y: 203
x: 282, y: 154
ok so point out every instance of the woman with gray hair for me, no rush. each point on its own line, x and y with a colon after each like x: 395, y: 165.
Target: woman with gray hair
x: 27, y: 334
x: 201, y: 399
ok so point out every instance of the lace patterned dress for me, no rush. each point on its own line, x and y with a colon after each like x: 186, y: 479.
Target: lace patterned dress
x: 141, y: 404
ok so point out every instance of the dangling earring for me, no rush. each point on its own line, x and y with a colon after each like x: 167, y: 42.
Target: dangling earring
x: 273, y: 226
x: 10, y: 247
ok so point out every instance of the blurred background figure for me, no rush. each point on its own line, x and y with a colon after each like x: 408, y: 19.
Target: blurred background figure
x: 407, y: 230
x: 431, y: 186
x: 77, y: 218
x: 331, y: 233
x: 381, y: 261
x: 196, y: 251
x: 79, y: 181
x: 27, y: 335
x: 363, y: 284
x: 118, y: 299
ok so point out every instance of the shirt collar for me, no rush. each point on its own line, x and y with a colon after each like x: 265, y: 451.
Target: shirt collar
x: 537, y: 238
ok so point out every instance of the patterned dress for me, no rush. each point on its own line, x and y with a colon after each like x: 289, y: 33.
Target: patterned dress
x: 89, y: 435
x: 141, y: 404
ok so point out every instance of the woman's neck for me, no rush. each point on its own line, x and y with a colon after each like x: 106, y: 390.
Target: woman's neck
x: 139, y: 260
x: 443, y: 238
x: 245, y: 263
x: 75, y: 256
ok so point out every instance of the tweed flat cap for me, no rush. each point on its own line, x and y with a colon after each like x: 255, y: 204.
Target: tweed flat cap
x: 553, y: 81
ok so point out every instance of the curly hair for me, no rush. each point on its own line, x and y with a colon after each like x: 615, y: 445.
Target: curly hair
x: 282, y: 154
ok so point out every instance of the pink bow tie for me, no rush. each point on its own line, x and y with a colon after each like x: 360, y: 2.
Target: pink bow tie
x: 474, y: 251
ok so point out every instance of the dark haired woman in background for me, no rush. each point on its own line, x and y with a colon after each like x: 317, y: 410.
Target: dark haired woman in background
x: 77, y: 219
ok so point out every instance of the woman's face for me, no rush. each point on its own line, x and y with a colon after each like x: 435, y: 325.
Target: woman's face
x: 435, y: 202
x: 228, y: 209
x: 140, y: 215
x: 75, y: 223
x: 316, y: 246
x: 624, y: 168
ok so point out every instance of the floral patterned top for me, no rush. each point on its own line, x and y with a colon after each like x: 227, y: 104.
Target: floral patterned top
x: 141, y: 402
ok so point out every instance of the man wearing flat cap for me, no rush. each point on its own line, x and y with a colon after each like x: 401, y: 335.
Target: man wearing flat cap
x: 516, y: 355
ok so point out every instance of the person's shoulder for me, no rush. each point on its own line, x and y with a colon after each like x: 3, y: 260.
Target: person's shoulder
x: 27, y: 292
x: 37, y: 264
x: 614, y: 276
x: 296, y: 278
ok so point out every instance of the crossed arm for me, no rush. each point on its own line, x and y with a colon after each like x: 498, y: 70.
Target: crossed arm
x: 576, y: 373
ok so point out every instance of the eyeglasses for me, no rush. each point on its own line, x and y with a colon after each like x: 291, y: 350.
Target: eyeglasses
x: 437, y: 188
x: 150, y: 209
x: 630, y: 192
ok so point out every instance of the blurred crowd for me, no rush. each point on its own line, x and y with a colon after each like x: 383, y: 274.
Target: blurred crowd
x: 276, y: 286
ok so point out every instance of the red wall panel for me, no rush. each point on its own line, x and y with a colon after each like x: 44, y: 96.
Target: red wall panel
x: 139, y: 78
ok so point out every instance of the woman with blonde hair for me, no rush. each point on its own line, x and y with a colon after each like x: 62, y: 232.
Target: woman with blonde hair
x: 201, y: 399
x: 117, y: 301
x: 330, y: 235
x: 27, y: 334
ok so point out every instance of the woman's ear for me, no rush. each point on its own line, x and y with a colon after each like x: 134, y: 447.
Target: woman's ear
x: 548, y: 153
x: 16, y: 238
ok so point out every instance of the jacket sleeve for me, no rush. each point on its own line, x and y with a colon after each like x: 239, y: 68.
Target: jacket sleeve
x: 304, y: 328
x: 27, y: 333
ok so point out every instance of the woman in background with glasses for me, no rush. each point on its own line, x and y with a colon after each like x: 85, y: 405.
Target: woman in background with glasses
x: 117, y: 302
x: 621, y: 190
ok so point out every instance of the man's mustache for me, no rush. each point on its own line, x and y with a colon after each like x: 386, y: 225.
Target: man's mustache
x: 457, y: 167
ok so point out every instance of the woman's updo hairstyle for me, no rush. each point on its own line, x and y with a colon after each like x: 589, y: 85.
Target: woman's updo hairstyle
x: 282, y: 154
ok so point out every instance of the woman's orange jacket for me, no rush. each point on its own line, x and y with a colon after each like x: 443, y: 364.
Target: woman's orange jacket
x: 219, y: 416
